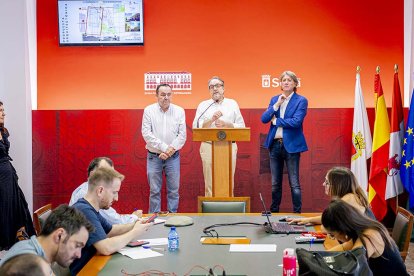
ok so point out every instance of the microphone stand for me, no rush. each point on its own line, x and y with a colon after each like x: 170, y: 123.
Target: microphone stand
x: 198, y: 120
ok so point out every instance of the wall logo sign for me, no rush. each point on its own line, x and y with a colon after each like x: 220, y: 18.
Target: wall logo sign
x: 268, y: 81
x: 181, y: 82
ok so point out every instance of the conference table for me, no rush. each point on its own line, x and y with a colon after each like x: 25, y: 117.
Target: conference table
x: 192, y: 252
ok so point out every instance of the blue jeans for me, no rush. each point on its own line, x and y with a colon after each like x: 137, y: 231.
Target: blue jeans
x: 278, y: 156
x: 155, y: 169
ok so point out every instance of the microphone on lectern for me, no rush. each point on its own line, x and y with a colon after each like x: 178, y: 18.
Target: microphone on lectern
x: 198, y: 120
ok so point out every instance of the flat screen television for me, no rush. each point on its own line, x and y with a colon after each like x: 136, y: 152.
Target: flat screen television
x: 100, y: 22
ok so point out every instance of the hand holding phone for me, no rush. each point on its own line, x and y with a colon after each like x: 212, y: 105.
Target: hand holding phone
x: 151, y: 218
x: 137, y: 243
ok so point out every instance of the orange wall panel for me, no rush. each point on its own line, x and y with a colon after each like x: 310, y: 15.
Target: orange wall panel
x: 239, y: 40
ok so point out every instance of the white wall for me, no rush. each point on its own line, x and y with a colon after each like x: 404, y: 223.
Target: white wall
x: 408, y: 51
x: 15, y: 84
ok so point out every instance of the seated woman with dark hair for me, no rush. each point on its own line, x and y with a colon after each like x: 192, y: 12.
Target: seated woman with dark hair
x: 341, y: 183
x: 347, y: 225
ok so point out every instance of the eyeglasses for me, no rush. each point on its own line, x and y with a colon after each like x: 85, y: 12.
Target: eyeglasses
x: 217, y: 86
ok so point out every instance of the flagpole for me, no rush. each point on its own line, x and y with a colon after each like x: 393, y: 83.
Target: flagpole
x: 378, y: 69
x: 395, y: 184
x: 358, y: 69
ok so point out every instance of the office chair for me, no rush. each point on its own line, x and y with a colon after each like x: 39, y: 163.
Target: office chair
x: 223, y: 204
x: 401, y: 231
x: 40, y: 216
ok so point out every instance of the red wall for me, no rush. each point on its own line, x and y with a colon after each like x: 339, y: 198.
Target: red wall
x: 64, y: 142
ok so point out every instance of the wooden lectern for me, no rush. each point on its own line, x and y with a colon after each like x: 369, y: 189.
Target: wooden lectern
x: 221, y: 139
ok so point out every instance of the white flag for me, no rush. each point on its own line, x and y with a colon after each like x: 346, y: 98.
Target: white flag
x: 394, y: 186
x: 361, y: 138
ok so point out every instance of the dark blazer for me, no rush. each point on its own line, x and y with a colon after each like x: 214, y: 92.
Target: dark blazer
x: 292, y: 123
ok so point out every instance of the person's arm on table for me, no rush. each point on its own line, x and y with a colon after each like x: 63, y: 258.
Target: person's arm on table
x: 119, y: 229
x: 348, y: 245
x: 305, y: 221
x: 112, y: 244
x: 112, y: 216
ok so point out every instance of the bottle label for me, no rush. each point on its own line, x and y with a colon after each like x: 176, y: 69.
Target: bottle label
x: 289, y: 271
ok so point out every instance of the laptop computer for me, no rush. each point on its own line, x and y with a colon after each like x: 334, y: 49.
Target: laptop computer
x: 280, y: 227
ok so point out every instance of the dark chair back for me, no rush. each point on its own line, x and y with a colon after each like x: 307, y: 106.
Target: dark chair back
x: 223, y: 204
x: 401, y: 232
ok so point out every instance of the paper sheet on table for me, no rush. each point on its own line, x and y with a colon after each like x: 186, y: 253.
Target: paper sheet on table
x: 158, y: 221
x: 154, y: 242
x: 139, y: 253
x: 253, y: 248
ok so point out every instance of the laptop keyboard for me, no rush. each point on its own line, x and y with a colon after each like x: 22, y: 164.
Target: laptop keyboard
x: 281, y: 227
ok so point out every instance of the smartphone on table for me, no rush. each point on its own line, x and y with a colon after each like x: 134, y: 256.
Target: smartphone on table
x: 137, y: 243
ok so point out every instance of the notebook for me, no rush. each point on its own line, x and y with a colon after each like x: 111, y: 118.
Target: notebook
x: 280, y: 227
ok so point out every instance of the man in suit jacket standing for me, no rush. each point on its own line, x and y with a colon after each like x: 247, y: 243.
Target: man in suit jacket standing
x: 285, y: 140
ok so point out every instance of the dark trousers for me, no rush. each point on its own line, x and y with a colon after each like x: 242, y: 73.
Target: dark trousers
x: 278, y: 157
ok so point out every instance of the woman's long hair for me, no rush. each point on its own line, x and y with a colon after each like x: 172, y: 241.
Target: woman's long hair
x: 2, y: 128
x: 345, y: 219
x: 342, y: 181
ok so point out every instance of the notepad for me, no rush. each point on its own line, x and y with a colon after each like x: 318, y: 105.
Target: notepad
x: 139, y: 253
x: 252, y: 248
x: 225, y: 240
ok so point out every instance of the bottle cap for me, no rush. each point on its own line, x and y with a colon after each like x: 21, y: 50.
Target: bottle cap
x: 289, y: 251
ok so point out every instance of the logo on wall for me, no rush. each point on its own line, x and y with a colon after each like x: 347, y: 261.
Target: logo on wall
x: 179, y: 81
x: 269, y: 81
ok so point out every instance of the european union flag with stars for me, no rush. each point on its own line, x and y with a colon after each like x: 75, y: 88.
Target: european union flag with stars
x: 407, y: 156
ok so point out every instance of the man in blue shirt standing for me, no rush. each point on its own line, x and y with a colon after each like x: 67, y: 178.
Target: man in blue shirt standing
x: 285, y: 140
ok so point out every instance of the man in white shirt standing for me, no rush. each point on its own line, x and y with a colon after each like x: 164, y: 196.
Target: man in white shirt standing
x: 110, y: 214
x: 217, y: 112
x: 164, y: 131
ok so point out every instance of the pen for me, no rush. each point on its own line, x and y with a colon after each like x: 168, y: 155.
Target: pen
x: 153, y: 248
x: 311, y: 242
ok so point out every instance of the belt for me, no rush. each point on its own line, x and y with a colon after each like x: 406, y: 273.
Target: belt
x: 279, y: 140
x: 157, y: 154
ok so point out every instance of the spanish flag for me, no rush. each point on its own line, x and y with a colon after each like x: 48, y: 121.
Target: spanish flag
x: 380, y: 150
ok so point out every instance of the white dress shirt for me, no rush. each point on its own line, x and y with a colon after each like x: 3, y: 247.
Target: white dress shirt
x: 110, y: 214
x: 228, y: 107
x: 163, y: 129
x: 279, y: 131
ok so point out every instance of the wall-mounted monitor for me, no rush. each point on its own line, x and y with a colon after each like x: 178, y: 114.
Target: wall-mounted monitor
x: 100, y: 22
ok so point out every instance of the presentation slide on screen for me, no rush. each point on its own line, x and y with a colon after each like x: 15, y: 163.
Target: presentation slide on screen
x: 100, y: 22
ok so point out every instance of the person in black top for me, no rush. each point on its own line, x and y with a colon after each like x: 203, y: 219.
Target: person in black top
x: 349, y: 226
x: 14, y: 212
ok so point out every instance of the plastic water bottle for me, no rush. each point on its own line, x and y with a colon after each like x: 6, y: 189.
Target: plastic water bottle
x: 289, y: 262
x: 173, y: 240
